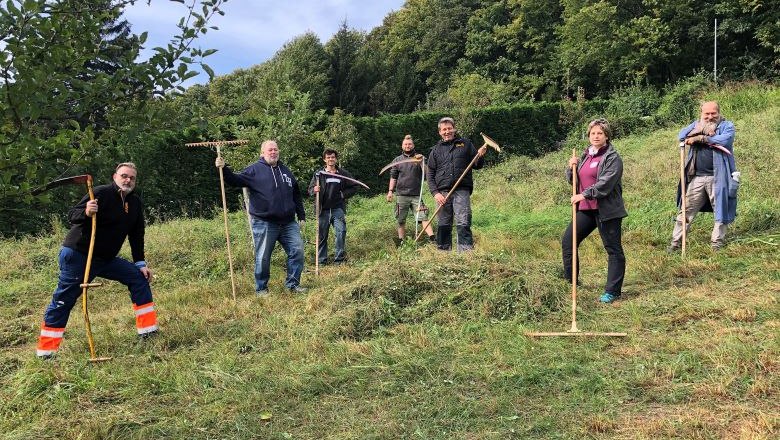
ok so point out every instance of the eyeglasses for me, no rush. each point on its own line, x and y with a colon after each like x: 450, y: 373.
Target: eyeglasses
x: 127, y: 176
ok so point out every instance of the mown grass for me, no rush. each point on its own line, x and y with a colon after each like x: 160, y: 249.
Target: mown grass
x: 413, y: 343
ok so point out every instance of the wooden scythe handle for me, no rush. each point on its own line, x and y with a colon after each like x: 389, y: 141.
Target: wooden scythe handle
x: 684, y: 214
x: 317, y: 226
x: 86, y: 284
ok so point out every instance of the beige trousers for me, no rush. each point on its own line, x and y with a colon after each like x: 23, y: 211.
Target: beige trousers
x: 699, y: 190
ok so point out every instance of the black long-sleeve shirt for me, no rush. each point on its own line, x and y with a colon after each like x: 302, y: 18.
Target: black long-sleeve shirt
x: 118, y: 218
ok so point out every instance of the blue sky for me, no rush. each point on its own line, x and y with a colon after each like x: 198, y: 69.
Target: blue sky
x: 251, y: 31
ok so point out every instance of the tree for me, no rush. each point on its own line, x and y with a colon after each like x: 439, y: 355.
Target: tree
x: 432, y: 33
x: 305, y: 61
x: 343, y: 50
x: 61, y: 72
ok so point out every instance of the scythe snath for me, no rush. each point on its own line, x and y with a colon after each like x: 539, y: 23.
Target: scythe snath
x: 77, y: 180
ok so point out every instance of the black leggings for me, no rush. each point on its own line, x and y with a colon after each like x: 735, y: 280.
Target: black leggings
x: 610, y: 232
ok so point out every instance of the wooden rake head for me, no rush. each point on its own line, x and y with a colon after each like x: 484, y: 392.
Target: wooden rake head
x: 217, y: 144
x: 490, y: 142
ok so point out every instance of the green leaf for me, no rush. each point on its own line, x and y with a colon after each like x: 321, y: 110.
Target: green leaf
x: 208, y: 70
x: 11, y: 7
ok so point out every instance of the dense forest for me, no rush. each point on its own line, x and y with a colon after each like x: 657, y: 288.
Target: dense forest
x: 435, y: 54
x: 75, y: 96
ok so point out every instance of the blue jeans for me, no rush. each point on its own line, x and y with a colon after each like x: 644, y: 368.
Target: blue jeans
x: 336, y: 218
x: 266, y: 235
x: 72, y: 266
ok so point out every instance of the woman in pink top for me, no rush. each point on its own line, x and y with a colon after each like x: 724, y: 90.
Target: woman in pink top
x: 600, y: 205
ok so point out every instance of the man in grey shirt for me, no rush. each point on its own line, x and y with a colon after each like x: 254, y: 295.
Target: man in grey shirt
x: 406, y: 182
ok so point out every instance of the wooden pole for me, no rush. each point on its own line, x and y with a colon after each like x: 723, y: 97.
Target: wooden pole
x: 220, y: 144
x: 317, y: 226
x: 574, y: 274
x: 418, y: 224
x: 683, y: 203
x: 86, y: 285
x: 227, y: 229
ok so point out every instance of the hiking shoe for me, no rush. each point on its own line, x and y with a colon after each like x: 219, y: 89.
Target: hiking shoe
x: 432, y: 239
x: 673, y: 249
x: 147, y: 335
x: 298, y: 290
x: 397, y: 241
x: 608, y: 297
x: 262, y: 293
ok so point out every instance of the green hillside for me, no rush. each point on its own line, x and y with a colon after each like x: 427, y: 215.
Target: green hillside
x: 415, y: 343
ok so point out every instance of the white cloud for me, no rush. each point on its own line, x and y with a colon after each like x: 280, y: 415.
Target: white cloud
x: 250, y: 32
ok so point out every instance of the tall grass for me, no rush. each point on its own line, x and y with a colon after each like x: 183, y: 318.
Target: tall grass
x: 414, y: 343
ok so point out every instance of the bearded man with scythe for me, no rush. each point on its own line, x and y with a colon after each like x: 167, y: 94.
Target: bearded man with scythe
x: 407, y: 173
x: 711, y: 175
x: 121, y: 217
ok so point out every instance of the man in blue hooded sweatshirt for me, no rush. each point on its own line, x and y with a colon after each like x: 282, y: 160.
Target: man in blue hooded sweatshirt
x: 274, y: 201
x: 711, y: 174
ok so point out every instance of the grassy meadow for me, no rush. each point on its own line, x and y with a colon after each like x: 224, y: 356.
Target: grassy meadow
x: 412, y: 343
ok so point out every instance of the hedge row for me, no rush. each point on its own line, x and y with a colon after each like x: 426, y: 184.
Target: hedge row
x: 525, y: 129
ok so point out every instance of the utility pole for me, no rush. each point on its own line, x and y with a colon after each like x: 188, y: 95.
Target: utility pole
x: 715, y: 56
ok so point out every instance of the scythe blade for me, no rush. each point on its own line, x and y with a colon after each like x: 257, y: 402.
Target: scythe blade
x: 414, y: 159
x: 341, y: 176
x: 75, y: 180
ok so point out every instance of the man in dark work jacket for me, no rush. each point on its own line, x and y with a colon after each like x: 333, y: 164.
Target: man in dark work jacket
x: 333, y: 192
x: 447, y: 161
x: 121, y: 216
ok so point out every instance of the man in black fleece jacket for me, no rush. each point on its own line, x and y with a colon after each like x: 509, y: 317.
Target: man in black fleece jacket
x: 121, y: 216
x: 274, y: 201
x: 447, y: 161
x: 333, y: 193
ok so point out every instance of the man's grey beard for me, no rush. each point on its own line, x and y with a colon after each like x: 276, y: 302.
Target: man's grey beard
x: 709, y: 128
x: 272, y: 163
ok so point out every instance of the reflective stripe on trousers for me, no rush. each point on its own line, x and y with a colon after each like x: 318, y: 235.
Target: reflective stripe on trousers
x: 145, y: 318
